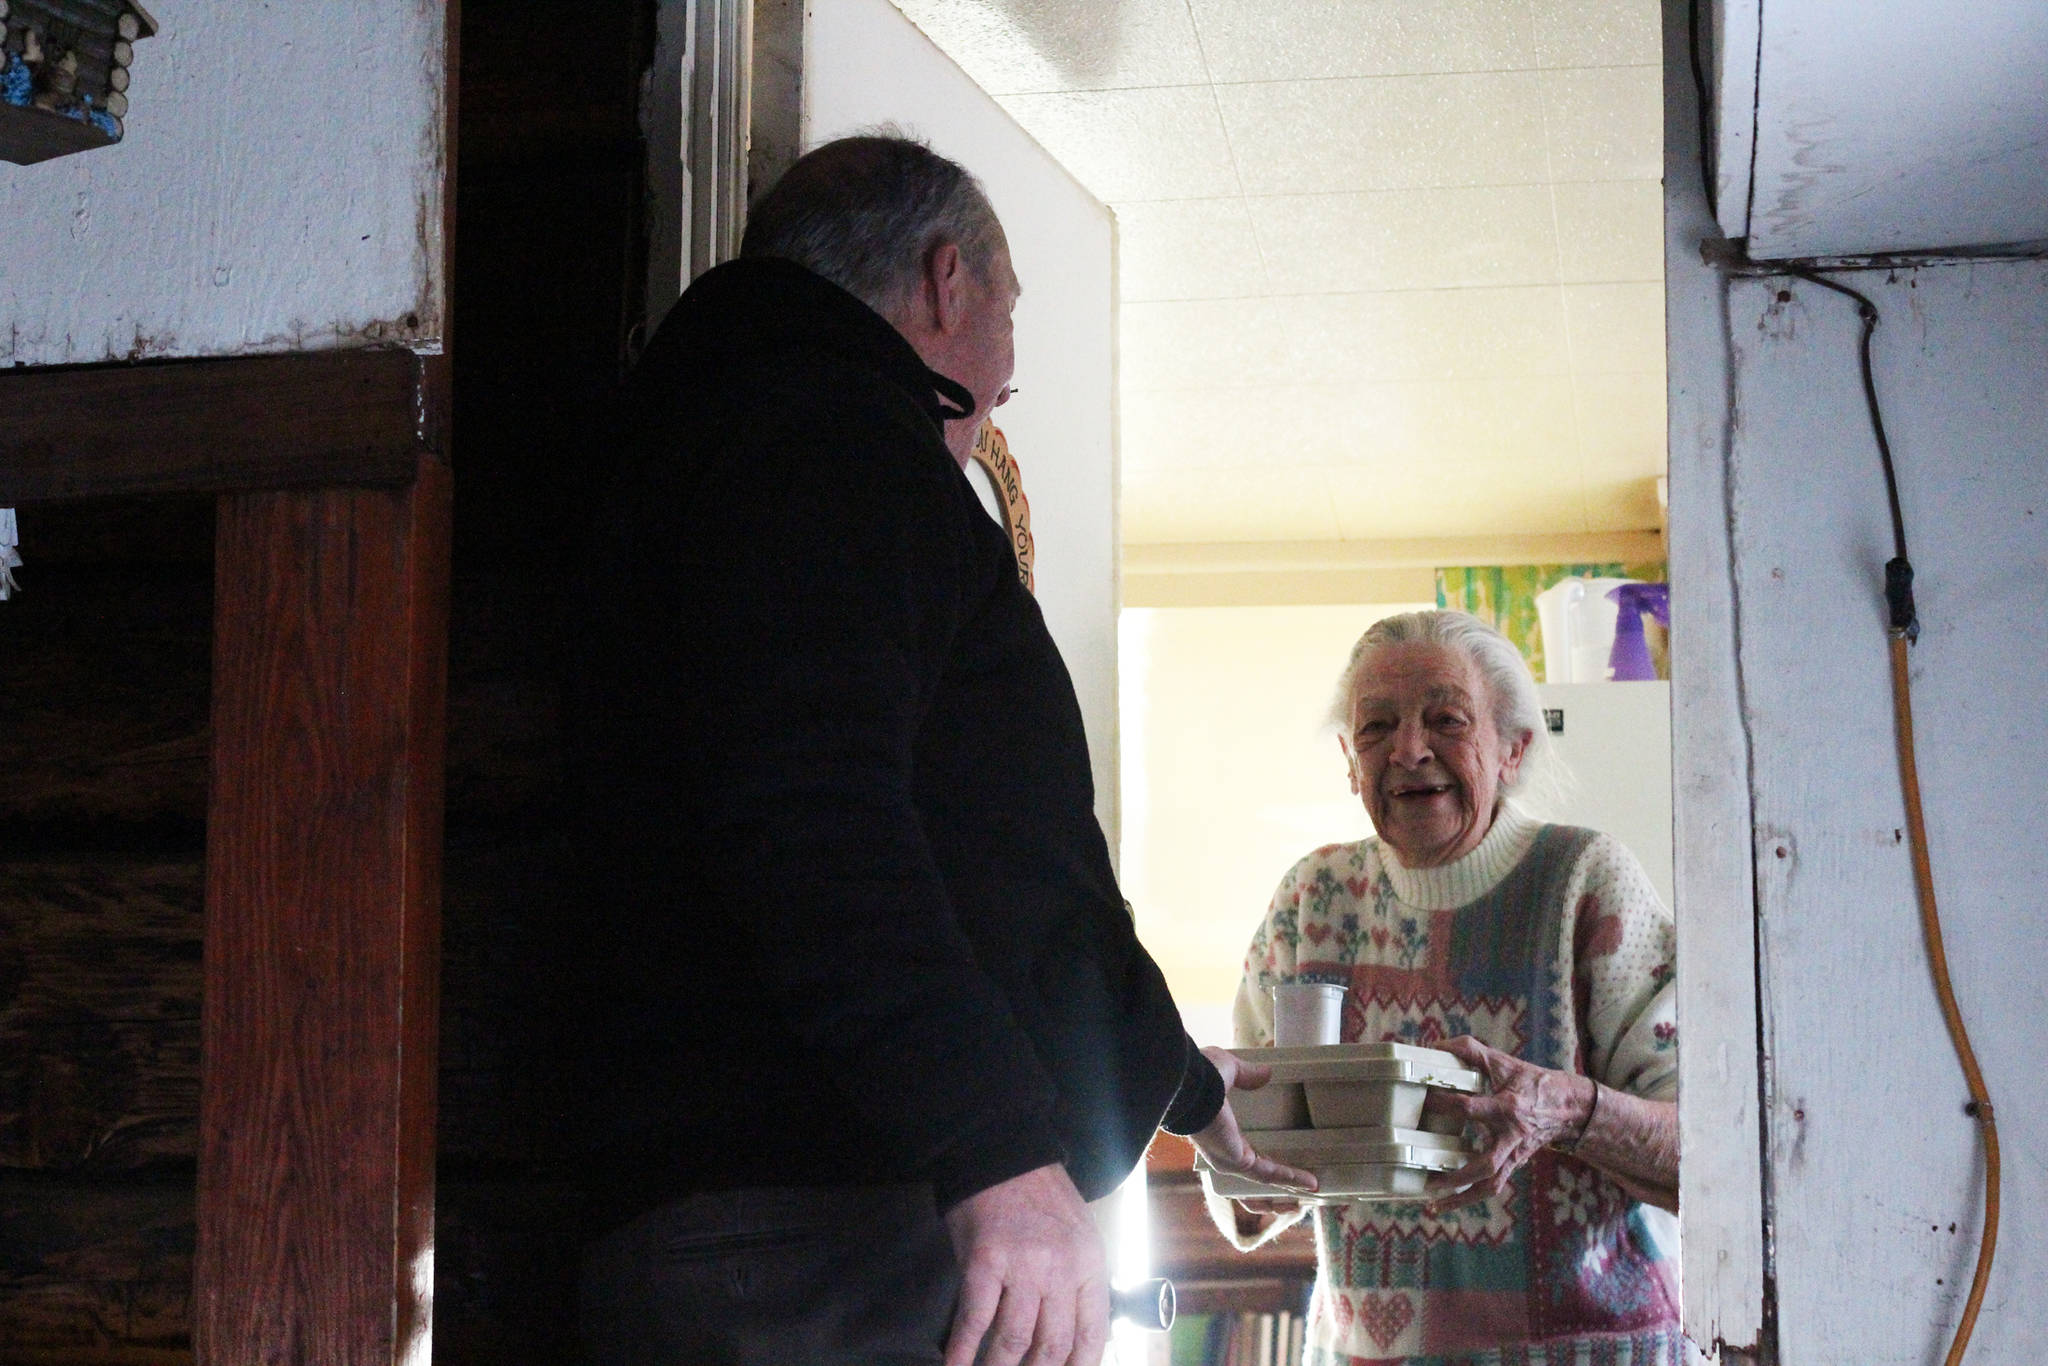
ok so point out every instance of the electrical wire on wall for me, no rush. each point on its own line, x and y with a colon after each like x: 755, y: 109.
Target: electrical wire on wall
x: 1904, y: 631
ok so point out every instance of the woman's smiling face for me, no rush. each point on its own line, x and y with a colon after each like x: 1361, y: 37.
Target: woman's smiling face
x: 1425, y: 754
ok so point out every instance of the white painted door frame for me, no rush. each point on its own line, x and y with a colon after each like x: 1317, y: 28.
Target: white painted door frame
x: 1721, y: 1176
x: 694, y: 114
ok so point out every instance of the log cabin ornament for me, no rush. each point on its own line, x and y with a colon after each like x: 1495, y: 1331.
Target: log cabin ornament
x: 992, y: 453
x: 64, y: 74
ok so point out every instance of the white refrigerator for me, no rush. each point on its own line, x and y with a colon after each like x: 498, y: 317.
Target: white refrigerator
x: 1614, y: 740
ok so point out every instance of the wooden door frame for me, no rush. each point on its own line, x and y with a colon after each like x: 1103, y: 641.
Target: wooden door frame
x: 315, y: 1211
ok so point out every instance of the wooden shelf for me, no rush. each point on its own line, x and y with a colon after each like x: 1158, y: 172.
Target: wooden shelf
x: 1209, y: 1275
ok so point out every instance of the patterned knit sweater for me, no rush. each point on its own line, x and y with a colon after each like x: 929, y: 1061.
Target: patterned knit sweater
x: 1547, y: 942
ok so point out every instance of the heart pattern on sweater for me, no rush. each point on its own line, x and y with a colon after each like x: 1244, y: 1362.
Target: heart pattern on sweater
x: 1384, y: 1316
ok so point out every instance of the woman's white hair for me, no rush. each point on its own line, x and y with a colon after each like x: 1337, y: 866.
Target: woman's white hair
x: 1509, y: 685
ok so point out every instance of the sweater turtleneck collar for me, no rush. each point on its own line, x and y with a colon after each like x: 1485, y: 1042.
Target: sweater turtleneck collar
x: 1463, y: 881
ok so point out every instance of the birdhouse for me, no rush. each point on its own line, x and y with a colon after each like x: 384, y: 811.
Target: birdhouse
x: 64, y: 74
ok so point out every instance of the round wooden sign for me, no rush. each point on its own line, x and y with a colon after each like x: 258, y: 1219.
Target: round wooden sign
x: 992, y: 453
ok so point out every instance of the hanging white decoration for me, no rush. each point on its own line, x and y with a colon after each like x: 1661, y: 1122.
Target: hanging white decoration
x: 10, y: 558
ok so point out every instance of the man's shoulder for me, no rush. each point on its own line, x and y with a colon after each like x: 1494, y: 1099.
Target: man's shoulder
x: 778, y: 439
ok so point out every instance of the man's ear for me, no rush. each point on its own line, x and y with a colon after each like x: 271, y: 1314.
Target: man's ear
x: 945, y: 287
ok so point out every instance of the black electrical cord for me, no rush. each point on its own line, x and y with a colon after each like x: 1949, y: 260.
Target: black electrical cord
x: 1904, y: 631
x: 1898, y: 572
x: 1708, y: 171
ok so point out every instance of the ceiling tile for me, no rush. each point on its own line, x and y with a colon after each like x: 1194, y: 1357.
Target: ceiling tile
x: 1258, y: 40
x: 1228, y: 505
x: 1428, y: 334
x: 1439, y: 428
x: 1407, y: 239
x: 1438, y: 311
x: 1627, y: 504
x: 1616, y: 327
x: 1016, y: 46
x: 1621, y: 425
x: 1597, y: 32
x: 1206, y: 343
x: 1610, y: 230
x: 1268, y: 427
x: 1187, y: 249
x: 1605, y: 123
x: 1433, y: 428
x: 1390, y: 132
x: 1378, y: 504
x: 1134, y: 144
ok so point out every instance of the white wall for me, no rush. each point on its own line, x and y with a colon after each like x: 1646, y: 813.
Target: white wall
x: 1872, y: 1191
x: 278, y: 187
x: 864, y: 64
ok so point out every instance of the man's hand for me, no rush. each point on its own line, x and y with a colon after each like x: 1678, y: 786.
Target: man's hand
x: 1033, y: 1278
x: 1224, y: 1144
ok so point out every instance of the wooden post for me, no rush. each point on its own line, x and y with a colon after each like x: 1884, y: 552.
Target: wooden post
x: 316, y: 1166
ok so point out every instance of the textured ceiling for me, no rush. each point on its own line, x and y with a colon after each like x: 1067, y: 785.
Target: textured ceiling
x: 1390, y: 268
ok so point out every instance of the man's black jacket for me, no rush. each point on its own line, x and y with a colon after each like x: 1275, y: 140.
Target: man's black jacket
x: 849, y: 916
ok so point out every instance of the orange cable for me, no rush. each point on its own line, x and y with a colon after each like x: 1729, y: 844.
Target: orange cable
x: 1930, y: 923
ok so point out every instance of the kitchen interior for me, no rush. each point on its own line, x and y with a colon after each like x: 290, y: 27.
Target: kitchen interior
x: 1389, y: 335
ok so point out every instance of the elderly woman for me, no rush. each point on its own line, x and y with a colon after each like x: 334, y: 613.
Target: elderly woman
x: 1541, y: 956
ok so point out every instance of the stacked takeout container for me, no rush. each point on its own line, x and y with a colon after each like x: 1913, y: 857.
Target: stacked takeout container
x: 1352, y: 1114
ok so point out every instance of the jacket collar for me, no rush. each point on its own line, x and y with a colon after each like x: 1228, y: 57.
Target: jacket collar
x: 762, y: 304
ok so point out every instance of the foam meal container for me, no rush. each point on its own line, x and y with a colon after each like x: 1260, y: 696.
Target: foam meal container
x: 1346, y: 1086
x: 1367, y: 1163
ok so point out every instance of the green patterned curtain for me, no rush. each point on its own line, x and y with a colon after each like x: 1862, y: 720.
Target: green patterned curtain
x: 1505, y: 595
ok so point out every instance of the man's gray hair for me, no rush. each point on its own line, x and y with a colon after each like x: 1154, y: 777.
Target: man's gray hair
x: 867, y: 212
x: 1509, y: 684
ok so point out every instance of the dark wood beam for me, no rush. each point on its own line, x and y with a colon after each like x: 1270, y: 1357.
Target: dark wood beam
x: 307, y: 419
x: 319, y: 1009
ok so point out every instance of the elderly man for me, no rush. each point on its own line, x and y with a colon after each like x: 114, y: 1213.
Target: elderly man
x: 1541, y: 956
x: 870, y: 1021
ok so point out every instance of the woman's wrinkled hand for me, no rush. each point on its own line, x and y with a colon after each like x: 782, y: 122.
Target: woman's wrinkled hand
x: 1528, y: 1108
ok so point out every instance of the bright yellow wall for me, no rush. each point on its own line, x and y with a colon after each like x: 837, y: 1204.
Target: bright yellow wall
x: 1228, y: 777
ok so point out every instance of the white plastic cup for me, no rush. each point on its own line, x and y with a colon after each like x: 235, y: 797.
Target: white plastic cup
x: 1306, y: 1013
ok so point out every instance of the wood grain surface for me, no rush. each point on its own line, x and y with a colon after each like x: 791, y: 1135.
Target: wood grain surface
x: 254, y: 422
x: 103, y: 698
x: 99, y: 1014
x: 315, y: 1215
x: 94, y: 1275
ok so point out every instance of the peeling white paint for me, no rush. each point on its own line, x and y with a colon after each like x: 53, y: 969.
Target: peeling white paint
x: 278, y: 187
x: 1889, y: 125
x: 1871, y: 1157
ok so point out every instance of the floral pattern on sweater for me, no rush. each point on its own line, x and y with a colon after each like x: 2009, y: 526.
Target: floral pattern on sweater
x: 1547, y: 942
